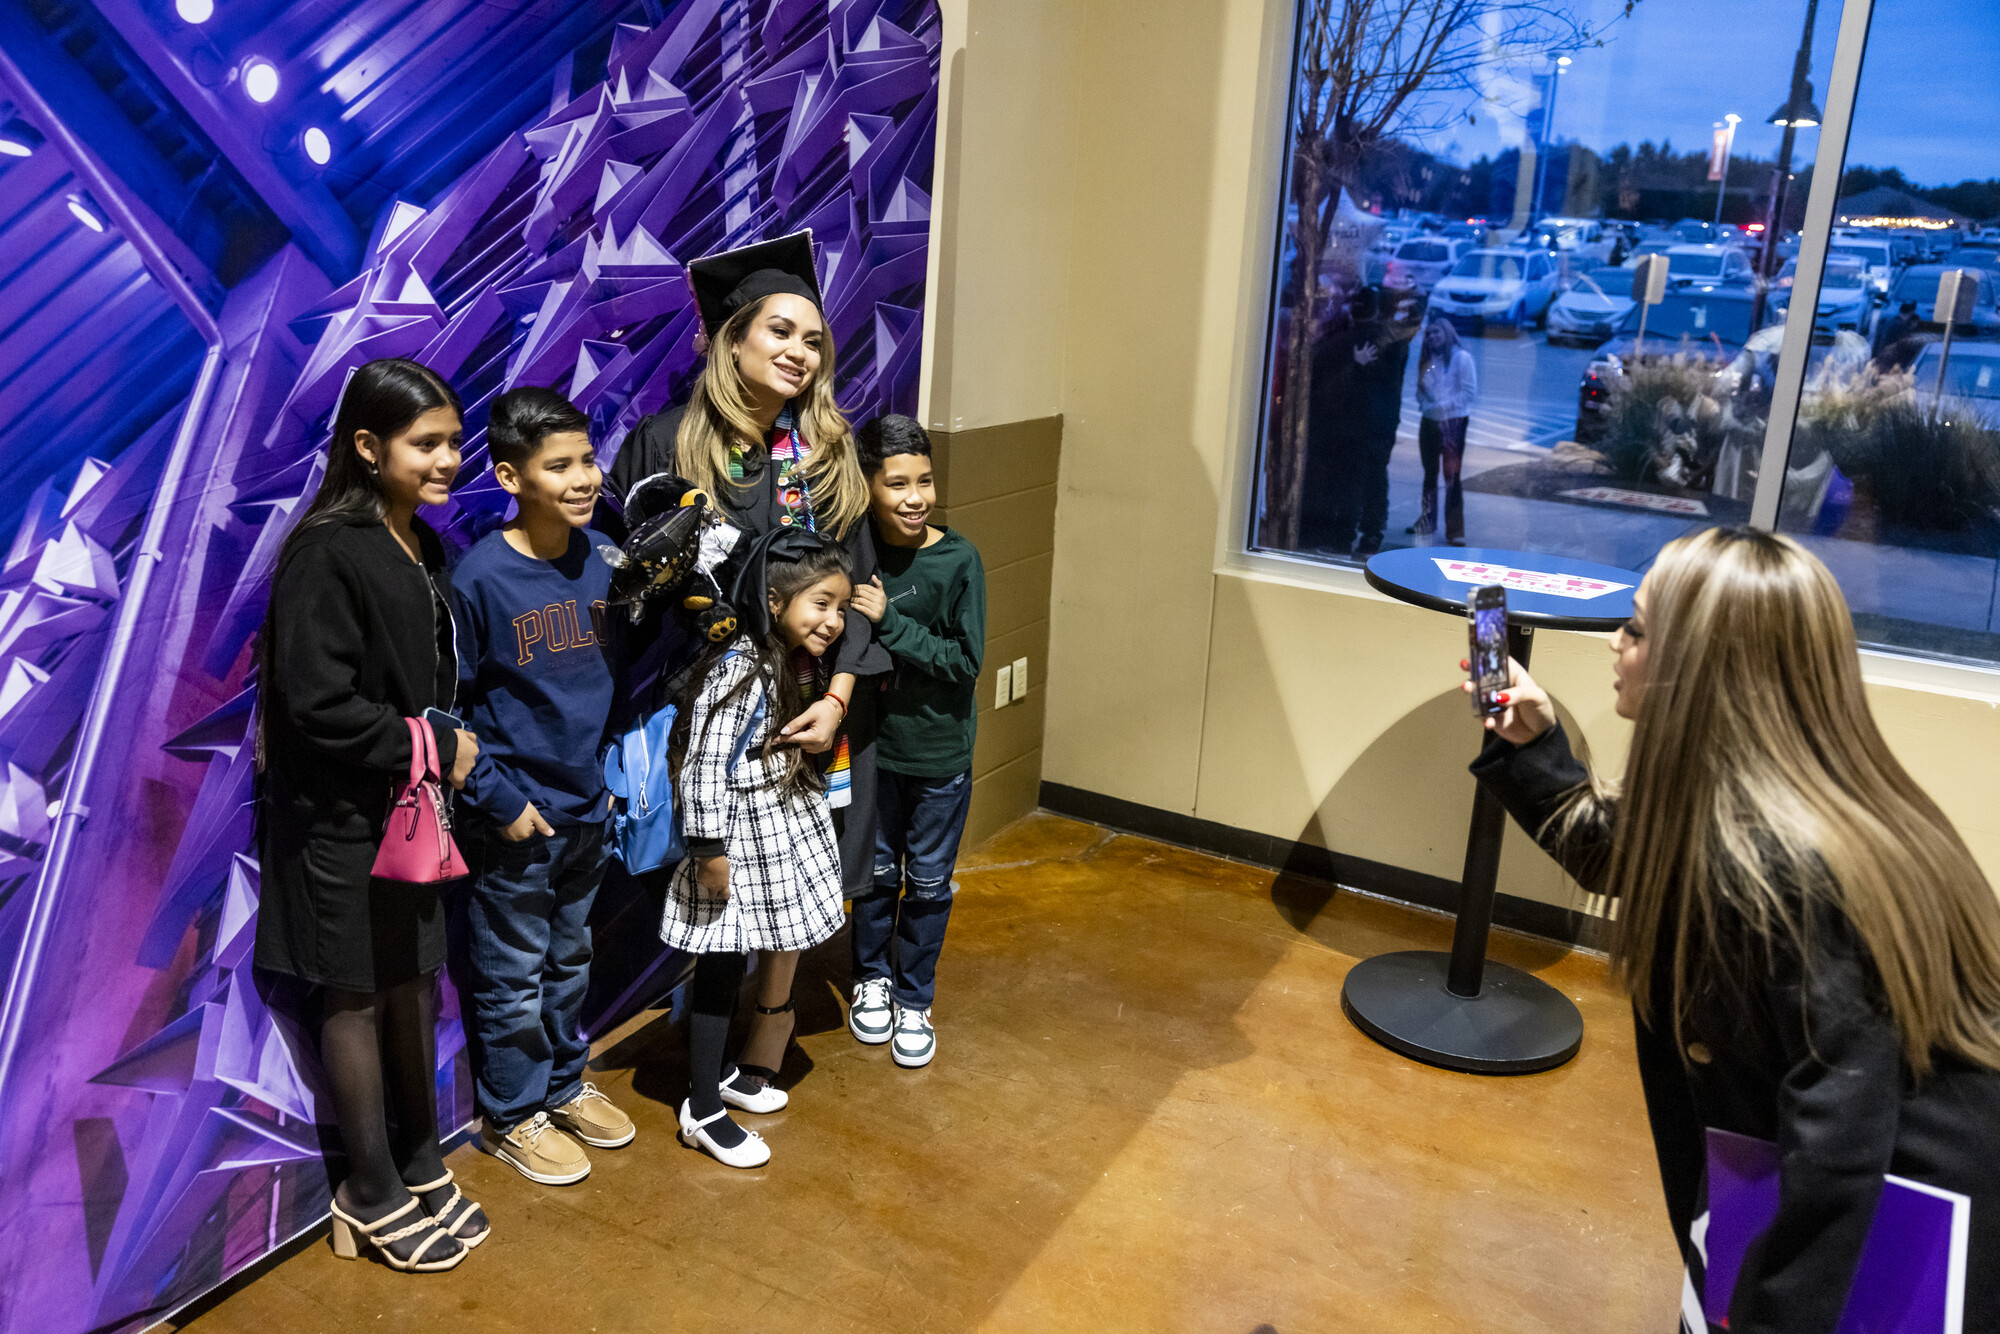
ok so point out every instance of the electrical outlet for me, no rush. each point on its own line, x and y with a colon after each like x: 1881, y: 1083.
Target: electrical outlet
x: 1020, y: 678
x: 1003, y: 687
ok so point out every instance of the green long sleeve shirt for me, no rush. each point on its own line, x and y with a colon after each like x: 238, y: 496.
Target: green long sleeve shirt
x: 935, y: 629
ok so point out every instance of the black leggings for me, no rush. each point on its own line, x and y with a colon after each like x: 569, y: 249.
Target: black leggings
x: 711, y: 1006
x: 1442, y: 446
x: 380, y: 1053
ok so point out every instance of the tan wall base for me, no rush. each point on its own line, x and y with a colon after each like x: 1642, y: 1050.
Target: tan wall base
x: 997, y: 487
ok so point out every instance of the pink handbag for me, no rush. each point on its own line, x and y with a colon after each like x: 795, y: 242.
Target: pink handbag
x: 417, y: 846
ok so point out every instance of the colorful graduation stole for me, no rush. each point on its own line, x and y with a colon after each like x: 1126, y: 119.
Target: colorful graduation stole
x: 789, y: 450
x: 808, y: 671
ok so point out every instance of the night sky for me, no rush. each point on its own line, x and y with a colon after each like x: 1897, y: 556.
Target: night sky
x: 1930, y: 84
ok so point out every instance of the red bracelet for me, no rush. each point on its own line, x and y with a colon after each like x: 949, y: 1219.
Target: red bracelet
x: 838, y: 700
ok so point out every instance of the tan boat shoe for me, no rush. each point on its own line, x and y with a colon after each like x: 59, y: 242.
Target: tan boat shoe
x: 591, y: 1117
x: 535, y: 1150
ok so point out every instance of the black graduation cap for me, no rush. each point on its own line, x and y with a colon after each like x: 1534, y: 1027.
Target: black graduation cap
x: 725, y: 282
x: 750, y: 591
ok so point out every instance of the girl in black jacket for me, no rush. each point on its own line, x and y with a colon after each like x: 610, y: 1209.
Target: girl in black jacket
x: 1813, y: 954
x: 359, y: 637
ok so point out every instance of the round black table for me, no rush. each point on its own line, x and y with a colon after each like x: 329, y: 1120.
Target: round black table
x: 1458, y: 1010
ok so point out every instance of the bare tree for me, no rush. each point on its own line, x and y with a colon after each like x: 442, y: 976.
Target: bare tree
x: 1369, y: 69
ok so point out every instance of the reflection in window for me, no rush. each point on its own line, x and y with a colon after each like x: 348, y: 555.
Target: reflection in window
x: 1455, y: 352
x: 1894, y: 470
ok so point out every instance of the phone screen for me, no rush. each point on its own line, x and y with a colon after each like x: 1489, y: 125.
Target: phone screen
x: 1487, y: 610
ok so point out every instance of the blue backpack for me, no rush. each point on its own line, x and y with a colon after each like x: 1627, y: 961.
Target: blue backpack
x: 646, y: 826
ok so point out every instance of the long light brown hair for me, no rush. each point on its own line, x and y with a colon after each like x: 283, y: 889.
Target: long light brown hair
x: 718, y: 415
x: 1759, y: 791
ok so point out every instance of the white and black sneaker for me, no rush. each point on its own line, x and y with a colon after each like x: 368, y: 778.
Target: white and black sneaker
x: 871, y: 1016
x: 915, y: 1040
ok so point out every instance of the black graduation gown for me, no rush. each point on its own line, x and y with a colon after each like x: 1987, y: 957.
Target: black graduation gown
x: 753, y: 507
x: 361, y: 638
x: 1805, y: 1057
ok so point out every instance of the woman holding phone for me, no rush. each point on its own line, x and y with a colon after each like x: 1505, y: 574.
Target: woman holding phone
x: 1813, y: 954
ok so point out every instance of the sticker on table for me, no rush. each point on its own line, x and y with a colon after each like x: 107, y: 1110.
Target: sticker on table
x: 1642, y: 500
x: 1526, y: 581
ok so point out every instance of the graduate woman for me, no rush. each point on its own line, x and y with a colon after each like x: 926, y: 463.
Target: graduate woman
x: 1813, y: 955
x: 762, y: 435
x: 359, y: 638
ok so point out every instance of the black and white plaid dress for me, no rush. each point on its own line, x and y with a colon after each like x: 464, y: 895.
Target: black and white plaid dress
x: 784, y: 865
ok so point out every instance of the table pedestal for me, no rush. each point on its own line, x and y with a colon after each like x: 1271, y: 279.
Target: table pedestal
x: 1457, y: 1010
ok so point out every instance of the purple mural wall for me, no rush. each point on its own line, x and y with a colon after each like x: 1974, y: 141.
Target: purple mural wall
x: 506, y: 193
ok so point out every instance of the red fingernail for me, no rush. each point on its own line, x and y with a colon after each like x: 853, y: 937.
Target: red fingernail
x: 1463, y: 665
x: 1503, y: 699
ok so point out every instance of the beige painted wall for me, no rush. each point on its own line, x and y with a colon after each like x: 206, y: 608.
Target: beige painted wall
x: 1263, y: 694
x: 1000, y: 217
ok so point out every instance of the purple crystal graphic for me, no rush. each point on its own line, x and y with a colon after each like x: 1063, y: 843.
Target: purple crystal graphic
x: 158, y: 1099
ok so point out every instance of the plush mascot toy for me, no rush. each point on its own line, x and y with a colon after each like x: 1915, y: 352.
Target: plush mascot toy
x: 672, y: 555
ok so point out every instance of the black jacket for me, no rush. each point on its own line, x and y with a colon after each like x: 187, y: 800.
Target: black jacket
x: 361, y: 638
x: 1805, y: 1057
x: 752, y: 507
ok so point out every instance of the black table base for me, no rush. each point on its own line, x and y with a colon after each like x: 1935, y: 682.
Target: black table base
x: 1516, y: 1025
x: 1457, y: 1010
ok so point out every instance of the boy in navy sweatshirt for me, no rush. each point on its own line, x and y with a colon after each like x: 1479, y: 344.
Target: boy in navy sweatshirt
x: 929, y: 609
x: 537, y: 688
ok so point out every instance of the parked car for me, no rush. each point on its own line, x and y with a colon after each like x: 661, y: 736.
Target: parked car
x: 1497, y: 287
x: 1874, y: 252
x: 1708, y: 266
x: 1981, y: 253
x: 1589, y: 309
x: 1711, y: 326
x: 1846, y: 297
x: 1474, y: 232
x: 1973, y: 376
x: 1918, y: 286
x: 1692, y: 231
x: 1579, y: 238
x: 1425, y: 259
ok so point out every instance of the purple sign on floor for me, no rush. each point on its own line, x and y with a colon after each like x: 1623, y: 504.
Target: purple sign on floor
x: 1911, y: 1279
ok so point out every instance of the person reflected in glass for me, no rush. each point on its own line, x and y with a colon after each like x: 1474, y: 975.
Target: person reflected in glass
x: 1328, y: 422
x: 1812, y: 952
x: 1360, y: 401
x: 1447, y: 384
x: 1900, y: 339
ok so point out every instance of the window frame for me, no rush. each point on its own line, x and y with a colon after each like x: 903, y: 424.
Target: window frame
x: 1236, y: 550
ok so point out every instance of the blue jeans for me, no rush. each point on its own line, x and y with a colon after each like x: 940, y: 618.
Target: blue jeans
x: 898, y: 929
x: 528, y: 941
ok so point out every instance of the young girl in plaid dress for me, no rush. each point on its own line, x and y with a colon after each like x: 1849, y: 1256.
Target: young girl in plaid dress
x: 763, y: 868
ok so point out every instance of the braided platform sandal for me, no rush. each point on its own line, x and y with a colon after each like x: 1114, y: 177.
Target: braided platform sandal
x: 454, y: 1213
x: 437, y: 1252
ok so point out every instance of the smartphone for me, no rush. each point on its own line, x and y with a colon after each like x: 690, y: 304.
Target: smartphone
x: 439, y: 718
x: 1486, y: 613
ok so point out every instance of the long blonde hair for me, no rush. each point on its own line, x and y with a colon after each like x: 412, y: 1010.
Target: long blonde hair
x: 718, y: 415
x: 1760, y: 789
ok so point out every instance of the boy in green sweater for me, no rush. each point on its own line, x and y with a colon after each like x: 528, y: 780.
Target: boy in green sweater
x: 929, y: 609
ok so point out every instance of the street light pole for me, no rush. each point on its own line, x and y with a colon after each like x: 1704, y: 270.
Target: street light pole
x: 1728, y: 147
x: 1789, y: 116
x: 1548, y: 134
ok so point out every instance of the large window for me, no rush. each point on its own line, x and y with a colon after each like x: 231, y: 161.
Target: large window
x: 1456, y: 353
x: 1893, y: 474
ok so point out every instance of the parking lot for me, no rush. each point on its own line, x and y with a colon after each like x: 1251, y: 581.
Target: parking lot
x: 1527, y: 405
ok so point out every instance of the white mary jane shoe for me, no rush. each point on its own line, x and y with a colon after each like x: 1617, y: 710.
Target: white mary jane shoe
x: 762, y: 1101
x: 752, y: 1152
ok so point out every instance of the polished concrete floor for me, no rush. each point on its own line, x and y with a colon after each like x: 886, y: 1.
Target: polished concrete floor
x: 1147, y: 1113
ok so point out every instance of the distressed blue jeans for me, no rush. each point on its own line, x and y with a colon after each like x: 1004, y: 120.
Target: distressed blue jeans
x: 898, y: 928
x: 528, y: 941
